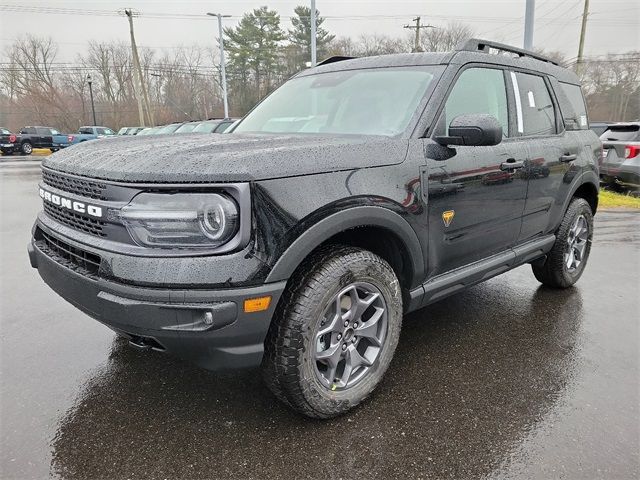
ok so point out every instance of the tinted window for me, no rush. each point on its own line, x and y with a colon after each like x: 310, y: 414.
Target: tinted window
x: 478, y: 90
x: 622, y: 133
x: 538, y: 112
x: 86, y: 131
x: 43, y: 131
x: 375, y: 101
x: 576, y: 118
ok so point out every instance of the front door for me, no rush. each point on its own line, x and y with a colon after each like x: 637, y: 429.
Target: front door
x: 475, y: 204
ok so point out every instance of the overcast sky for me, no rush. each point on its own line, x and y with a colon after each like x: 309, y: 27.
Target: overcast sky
x: 613, y: 27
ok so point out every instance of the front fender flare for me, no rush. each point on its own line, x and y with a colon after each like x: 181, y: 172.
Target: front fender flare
x: 362, y: 216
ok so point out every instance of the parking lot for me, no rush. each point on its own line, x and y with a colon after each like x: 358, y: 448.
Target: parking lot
x: 506, y: 380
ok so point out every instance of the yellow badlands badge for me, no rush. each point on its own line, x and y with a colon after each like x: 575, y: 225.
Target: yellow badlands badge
x: 447, y: 217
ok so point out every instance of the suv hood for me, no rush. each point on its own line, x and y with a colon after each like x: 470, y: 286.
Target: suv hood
x: 223, y: 157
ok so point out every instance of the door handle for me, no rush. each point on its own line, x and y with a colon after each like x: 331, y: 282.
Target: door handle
x: 568, y: 157
x: 511, y: 164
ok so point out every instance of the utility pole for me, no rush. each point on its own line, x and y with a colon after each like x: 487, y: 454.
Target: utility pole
x: 528, y: 24
x: 417, y: 27
x: 93, y: 107
x: 313, y: 34
x: 225, y: 100
x: 583, y: 32
x: 138, y: 70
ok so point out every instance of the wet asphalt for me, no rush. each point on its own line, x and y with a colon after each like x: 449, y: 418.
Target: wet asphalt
x: 506, y: 380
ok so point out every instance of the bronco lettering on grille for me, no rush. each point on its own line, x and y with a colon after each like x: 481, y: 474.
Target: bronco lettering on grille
x: 69, y: 204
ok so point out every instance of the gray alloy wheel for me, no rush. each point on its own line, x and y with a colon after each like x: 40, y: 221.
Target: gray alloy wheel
x: 350, y: 336
x: 576, y: 243
x: 334, y: 332
x: 26, y: 148
x: 568, y: 257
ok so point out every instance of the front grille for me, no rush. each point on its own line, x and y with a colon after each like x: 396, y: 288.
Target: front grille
x: 76, y: 259
x: 78, y: 186
x: 74, y: 220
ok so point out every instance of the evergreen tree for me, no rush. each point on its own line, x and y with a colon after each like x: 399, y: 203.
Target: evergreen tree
x: 253, y: 49
x: 300, y: 35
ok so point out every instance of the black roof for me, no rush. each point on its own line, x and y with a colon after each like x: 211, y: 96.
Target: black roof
x: 473, y: 50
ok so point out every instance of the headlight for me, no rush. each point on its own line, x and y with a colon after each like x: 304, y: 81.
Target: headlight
x: 181, y: 220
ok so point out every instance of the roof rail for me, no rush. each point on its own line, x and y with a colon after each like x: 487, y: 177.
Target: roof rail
x: 334, y: 59
x: 477, y: 45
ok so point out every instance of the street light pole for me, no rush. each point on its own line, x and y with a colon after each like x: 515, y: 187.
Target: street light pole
x: 222, y: 62
x: 93, y: 107
x: 313, y: 34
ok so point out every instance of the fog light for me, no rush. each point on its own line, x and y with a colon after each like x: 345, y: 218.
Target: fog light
x: 257, y: 304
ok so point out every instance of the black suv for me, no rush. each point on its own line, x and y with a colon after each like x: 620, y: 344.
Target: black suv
x: 358, y: 191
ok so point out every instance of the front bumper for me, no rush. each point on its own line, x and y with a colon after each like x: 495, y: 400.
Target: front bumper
x: 206, y: 327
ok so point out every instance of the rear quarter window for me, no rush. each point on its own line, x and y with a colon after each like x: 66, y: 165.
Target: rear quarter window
x: 574, y: 112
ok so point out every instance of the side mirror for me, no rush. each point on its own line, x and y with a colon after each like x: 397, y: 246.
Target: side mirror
x: 474, y: 129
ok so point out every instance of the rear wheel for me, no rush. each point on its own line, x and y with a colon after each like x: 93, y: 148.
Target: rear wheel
x: 334, y: 333
x: 567, y: 260
x: 26, y: 148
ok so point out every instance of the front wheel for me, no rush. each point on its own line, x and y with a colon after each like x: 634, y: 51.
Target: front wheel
x: 334, y: 332
x: 567, y: 260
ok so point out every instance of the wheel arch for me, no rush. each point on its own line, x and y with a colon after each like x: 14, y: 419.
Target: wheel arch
x: 588, y: 190
x: 378, y: 229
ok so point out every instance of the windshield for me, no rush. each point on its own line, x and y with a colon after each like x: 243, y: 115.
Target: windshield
x: 172, y: 127
x: 186, y: 128
x: 377, y: 101
x: 206, y: 127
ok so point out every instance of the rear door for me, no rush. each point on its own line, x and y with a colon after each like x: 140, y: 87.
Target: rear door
x: 551, y: 153
x: 474, y: 205
x: 44, y: 137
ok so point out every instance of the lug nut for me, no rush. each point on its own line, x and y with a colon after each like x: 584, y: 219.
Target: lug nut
x: 339, y: 336
x: 346, y: 324
x: 344, y: 346
x: 355, y: 325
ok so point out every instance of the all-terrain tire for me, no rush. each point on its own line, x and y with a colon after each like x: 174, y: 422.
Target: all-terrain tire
x: 554, y: 272
x: 288, y: 364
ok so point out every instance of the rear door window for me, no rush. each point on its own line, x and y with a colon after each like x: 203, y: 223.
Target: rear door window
x: 536, y: 112
x: 574, y: 114
x: 86, y: 131
x: 43, y: 131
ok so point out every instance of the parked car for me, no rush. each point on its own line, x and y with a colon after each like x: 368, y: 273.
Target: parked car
x: 130, y: 130
x: 621, y: 155
x: 35, y: 137
x: 171, y: 128
x: 298, y: 241
x: 148, y: 131
x: 8, y: 141
x: 90, y: 133
x: 187, y: 127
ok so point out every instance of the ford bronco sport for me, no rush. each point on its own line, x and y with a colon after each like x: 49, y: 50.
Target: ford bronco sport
x: 358, y: 191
